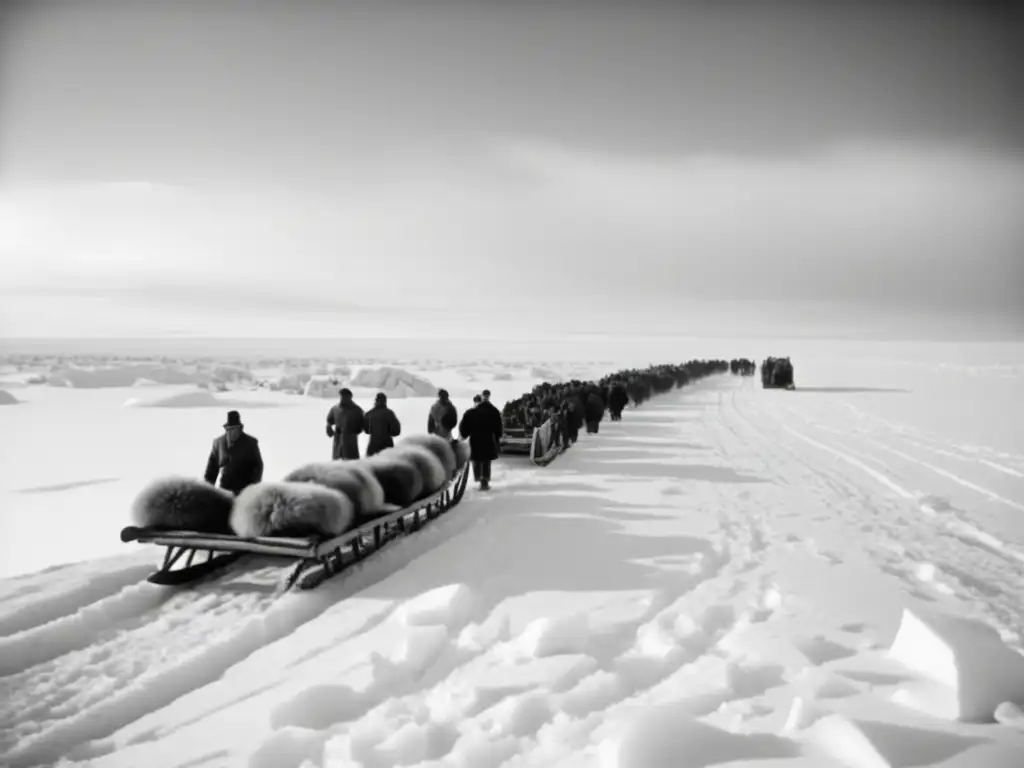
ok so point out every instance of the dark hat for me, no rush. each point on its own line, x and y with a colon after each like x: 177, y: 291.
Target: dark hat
x: 234, y: 420
x: 486, y: 393
x: 381, y: 397
x: 442, y: 393
x: 346, y: 392
x: 477, y: 399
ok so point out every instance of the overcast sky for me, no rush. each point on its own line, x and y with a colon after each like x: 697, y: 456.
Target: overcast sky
x: 224, y: 168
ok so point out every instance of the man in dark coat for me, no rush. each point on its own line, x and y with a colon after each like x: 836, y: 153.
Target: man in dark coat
x: 575, y: 418
x: 618, y: 398
x: 593, y: 411
x: 235, y: 456
x: 345, y: 424
x: 382, y: 425
x: 564, y: 418
x: 443, y: 417
x: 481, y: 424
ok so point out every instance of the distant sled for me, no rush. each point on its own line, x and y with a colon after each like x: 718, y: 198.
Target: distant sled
x: 538, y: 444
x: 315, y: 559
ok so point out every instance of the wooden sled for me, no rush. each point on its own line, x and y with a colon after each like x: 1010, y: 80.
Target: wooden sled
x: 516, y: 441
x: 527, y: 441
x: 543, y: 459
x: 317, y: 559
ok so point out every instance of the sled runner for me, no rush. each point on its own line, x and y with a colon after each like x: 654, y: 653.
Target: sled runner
x: 317, y: 559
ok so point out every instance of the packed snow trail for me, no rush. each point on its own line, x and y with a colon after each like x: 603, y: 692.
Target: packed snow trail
x: 712, y: 580
x: 972, y: 548
x: 164, y: 642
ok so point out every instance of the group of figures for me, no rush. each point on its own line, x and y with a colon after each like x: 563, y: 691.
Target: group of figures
x: 480, y: 426
x: 777, y: 373
x: 742, y: 367
x: 329, y: 497
x: 571, y: 405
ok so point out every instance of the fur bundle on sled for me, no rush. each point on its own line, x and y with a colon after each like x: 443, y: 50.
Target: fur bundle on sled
x: 438, y: 446
x: 399, y: 477
x: 183, y: 504
x: 427, y: 464
x: 350, y: 478
x: 291, y: 509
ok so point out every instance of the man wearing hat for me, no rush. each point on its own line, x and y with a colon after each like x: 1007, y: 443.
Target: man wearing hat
x: 235, y: 456
x: 345, y: 424
x: 382, y: 425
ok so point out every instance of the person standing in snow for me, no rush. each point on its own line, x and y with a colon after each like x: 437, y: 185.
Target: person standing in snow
x: 617, y: 400
x: 593, y: 411
x: 482, y: 426
x: 382, y: 425
x: 443, y: 417
x: 345, y: 424
x: 235, y: 456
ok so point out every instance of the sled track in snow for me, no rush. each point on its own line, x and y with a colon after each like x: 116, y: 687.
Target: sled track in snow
x: 934, y: 548
x: 61, y: 683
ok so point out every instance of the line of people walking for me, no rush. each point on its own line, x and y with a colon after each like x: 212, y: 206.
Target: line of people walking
x: 480, y: 425
x: 235, y: 459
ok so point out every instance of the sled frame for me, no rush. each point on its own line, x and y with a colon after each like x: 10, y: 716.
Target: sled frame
x: 516, y: 441
x: 317, y: 559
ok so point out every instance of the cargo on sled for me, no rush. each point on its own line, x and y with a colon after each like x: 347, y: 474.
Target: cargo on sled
x: 324, y: 516
x: 538, y: 443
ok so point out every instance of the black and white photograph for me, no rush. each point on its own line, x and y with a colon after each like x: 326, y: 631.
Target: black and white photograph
x: 511, y: 384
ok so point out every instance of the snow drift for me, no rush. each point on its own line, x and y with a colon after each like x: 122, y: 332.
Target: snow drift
x: 200, y: 398
x: 394, y: 382
x: 323, y: 386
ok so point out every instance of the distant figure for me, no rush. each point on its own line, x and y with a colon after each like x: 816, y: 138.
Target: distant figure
x: 593, y: 412
x: 443, y: 416
x: 617, y: 399
x: 382, y: 425
x: 345, y: 424
x: 481, y: 424
x: 235, y: 456
x: 565, y: 417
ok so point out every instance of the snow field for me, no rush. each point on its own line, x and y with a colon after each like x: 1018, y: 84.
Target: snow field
x: 730, y: 576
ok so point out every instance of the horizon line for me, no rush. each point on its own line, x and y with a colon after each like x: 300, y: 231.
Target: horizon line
x: 1007, y: 337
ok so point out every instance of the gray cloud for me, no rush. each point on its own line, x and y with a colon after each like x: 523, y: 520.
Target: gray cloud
x: 319, y: 160
x: 313, y: 89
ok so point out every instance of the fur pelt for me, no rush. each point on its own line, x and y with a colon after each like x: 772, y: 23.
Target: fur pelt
x: 397, y: 475
x: 183, y: 504
x: 291, y: 509
x: 427, y: 464
x: 462, y: 454
x: 438, y: 446
x: 374, y: 497
x: 347, y: 477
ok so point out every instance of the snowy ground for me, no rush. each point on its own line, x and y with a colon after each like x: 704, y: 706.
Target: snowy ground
x: 729, y: 576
